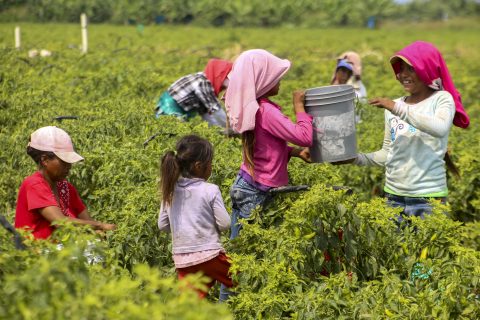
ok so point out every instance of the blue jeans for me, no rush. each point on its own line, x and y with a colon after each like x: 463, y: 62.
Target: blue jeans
x: 412, y: 206
x: 218, y: 118
x: 225, y: 293
x: 245, y: 198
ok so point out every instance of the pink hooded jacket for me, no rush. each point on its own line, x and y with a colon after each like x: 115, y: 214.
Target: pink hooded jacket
x: 254, y: 73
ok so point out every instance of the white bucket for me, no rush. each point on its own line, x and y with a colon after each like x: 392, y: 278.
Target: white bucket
x: 334, y: 132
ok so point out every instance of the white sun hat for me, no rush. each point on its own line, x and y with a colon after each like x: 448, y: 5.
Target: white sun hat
x: 55, y: 140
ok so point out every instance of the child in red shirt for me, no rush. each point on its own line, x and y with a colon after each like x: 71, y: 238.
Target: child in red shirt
x: 46, y: 196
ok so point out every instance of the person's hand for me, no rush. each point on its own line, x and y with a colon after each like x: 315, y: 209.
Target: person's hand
x: 299, y: 101
x: 107, y: 226
x: 305, y: 155
x: 302, y: 153
x: 382, y: 103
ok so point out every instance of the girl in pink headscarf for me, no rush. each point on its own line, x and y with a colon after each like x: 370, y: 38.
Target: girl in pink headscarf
x: 414, y: 149
x: 265, y: 130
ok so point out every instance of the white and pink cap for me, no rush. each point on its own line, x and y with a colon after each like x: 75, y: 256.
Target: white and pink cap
x: 55, y: 140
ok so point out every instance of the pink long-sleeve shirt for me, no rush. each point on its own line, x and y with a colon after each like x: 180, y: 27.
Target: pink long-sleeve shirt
x: 273, y: 130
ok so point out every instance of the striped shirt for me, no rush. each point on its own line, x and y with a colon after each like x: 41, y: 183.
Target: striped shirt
x: 194, y: 91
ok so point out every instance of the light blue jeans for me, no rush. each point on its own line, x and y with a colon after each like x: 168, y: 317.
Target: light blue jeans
x: 245, y: 198
x: 218, y: 118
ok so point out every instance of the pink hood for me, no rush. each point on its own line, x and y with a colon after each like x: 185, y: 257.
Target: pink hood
x: 254, y: 73
x: 430, y: 67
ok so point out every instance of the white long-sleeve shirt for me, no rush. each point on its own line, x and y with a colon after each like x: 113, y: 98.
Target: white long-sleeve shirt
x: 196, y: 217
x: 414, y: 146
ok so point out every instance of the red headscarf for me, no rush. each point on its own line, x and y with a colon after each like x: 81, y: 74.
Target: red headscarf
x: 216, y: 72
x: 430, y: 67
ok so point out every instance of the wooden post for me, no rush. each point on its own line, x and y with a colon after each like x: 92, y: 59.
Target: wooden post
x: 83, y: 21
x: 17, y: 37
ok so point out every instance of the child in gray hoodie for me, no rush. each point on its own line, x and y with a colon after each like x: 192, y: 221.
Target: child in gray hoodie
x: 193, y: 211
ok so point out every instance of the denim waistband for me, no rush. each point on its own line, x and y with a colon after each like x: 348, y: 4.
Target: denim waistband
x: 248, y: 178
x: 406, y: 198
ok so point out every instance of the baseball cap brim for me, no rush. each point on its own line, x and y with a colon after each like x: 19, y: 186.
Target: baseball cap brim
x: 344, y: 64
x: 397, y: 59
x: 69, y: 157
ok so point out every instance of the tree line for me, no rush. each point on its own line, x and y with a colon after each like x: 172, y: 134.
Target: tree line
x: 255, y: 13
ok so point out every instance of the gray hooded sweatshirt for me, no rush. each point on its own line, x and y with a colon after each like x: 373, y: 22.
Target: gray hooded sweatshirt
x: 196, y: 217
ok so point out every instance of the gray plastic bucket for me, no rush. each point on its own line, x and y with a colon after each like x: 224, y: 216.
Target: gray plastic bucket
x: 321, y: 92
x: 327, y: 90
x: 327, y: 96
x: 334, y: 133
x: 330, y: 100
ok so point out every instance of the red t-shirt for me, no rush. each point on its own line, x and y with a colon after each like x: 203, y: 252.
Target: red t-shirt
x: 35, y: 193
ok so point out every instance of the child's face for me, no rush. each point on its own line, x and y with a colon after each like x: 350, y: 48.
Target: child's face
x: 342, y: 75
x: 409, y: 79
x: 273, y: 91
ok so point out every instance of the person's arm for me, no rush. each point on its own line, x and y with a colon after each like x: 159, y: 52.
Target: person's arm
x: 85, y: 215
x: 377, y: 158
x: 53, y: 213
x: 163, y: 221
x: 80, y: 210
x: 282, y: 127
x: 222, y: 218
x: 437, y: 125
x: 302, y: 153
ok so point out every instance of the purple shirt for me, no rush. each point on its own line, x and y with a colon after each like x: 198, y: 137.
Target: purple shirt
x: 273, y: 130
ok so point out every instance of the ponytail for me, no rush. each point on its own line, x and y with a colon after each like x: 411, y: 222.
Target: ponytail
x: 189, y: 150
x: 170, y: 172
x: 450, y: 165
x: 248, y: 143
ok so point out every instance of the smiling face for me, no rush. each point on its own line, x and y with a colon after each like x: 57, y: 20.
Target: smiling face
x: 410, y: 81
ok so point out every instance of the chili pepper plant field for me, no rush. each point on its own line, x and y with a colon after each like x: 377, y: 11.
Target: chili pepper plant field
x: 316, y: 254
